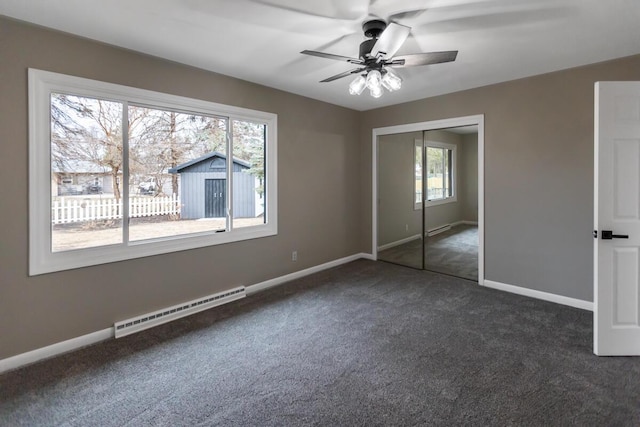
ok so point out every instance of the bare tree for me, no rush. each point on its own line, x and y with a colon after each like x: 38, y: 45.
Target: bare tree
x: 87, y: 131
x: 169, y: 138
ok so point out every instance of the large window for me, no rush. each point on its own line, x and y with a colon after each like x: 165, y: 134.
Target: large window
x: 118, y: 173
x: 440, y: 173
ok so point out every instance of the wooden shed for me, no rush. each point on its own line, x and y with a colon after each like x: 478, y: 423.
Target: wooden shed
x: 203, y: 187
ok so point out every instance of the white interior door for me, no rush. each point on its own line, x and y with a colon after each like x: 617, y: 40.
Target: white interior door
x: 616, y: 215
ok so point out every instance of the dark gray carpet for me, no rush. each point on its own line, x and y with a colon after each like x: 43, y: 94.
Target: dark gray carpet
x: 367, y: 343
x: 453, y: 252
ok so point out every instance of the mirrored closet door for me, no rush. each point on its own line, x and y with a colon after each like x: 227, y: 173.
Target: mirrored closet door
x: 428, y: 200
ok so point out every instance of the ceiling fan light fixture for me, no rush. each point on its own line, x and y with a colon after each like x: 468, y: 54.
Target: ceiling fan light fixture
x: 357, y: 85
x: 377, y: 53
x: 374, y: 81
x: 376, y: 92
x: 391, y: 81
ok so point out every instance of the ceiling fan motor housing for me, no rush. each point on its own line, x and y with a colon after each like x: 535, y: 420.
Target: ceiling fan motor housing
x: 372, y: 29
x: 365, y: 48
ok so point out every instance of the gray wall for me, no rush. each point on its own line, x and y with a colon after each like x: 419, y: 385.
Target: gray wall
x: 538, y: 172
x: 42, y: 310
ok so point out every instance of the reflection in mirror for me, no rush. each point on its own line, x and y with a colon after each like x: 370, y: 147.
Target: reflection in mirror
x: 399, y: 197
x: 428, y: 216
x: 451, y: 205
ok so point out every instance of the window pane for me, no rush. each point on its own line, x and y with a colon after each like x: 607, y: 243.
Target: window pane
x: 249, y: 178
x: 86, y: 172
x: 177, y: 173
x: 435, y: 173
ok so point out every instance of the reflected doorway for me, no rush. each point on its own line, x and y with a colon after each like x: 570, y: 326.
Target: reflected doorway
x: 428, y: 189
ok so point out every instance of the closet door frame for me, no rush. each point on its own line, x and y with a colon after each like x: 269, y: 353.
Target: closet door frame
x: 477, y: 120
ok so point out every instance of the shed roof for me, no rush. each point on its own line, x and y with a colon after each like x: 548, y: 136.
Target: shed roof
x: 205, y: 158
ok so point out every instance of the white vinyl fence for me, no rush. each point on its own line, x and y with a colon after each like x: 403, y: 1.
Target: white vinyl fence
x: 73, y: 209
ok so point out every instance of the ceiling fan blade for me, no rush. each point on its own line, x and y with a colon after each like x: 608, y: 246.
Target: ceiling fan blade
x: 390, y: 40
x: 333, y: 9
x: 332, y: 56
x: 408, y: 14
x: 341, y: 75
x: 418, y: 59
x: 395, y: 8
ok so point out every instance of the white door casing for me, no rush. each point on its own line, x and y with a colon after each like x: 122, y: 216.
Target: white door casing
x: 617, y: 209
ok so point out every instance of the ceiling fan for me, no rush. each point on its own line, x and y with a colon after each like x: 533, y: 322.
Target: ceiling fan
x: 376, y: 58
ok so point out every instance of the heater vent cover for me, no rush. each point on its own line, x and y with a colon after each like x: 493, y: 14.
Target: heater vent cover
x: 146, y: 321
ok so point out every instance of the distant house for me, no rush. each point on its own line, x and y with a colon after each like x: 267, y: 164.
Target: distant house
x: 203, y: 188
x: 80, y: 177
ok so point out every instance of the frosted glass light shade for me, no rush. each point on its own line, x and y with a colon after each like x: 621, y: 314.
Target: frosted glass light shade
x: 374, y: 81
x: 391, y: 81
x: 376, y: 92
x: 357, y: 85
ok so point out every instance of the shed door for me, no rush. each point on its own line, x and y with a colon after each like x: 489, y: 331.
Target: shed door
x: 214, y: 198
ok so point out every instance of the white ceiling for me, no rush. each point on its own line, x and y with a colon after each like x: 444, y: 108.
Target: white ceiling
x: 260, y: 40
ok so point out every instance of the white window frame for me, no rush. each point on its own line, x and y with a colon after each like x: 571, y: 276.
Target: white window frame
x: 417, y: 204
x: 41, y: 258
x: 454, y: 193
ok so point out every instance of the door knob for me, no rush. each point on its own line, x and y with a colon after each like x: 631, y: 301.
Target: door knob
x: 608, y: 235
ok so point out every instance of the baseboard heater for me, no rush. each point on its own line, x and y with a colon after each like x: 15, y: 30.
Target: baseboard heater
x: 149, y: 320
x: 439, y: 230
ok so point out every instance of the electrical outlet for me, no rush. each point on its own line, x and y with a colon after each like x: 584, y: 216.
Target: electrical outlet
x: 294, y: 256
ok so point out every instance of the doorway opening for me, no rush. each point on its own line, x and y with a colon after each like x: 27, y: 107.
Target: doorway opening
x: 428, y: 193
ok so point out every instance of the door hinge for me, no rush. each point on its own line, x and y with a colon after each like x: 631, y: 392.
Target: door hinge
x: 595, y: 234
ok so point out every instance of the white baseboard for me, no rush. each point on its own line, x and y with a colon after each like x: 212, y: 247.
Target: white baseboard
x: 441, y: 229
x: 446, y: 227
x: 399, y: 242
x: 307, y: 271
x: 558, y: 299
x: 33, y: 356
x: 54, y: 349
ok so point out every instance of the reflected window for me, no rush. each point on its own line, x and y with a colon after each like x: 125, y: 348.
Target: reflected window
x: 440, y: 172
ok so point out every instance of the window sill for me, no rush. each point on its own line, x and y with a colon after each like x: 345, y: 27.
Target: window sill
x: 430, y: 203
x: 44, y: 261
